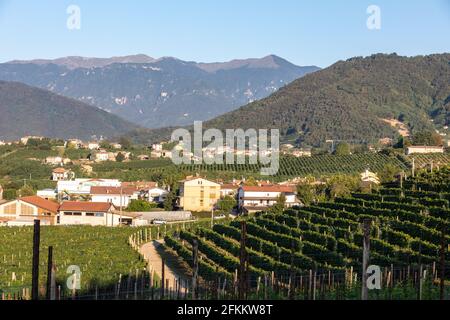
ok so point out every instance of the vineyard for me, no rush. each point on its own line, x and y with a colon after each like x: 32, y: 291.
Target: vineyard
x: 316, y: 165
x: 101, y: 253
x: 425, y: 160
x: 107, y: 257
x: 409, y: 227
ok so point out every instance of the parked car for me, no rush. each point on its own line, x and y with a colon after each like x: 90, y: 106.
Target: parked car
x: 219, y: 217
x: 159, y: 221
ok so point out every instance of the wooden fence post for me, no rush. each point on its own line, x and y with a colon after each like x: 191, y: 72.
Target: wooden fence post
x: 35, y: 270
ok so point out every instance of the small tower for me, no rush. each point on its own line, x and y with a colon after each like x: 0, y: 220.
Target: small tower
x: 1, y: 192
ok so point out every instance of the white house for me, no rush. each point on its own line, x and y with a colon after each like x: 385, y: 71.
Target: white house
x: 55, y: 161
x: 92, y: 213
x: 156, y: 194
x: 228, y: 190
x: 83, y: 186
x: 118, y: 196
x: 93, y: 146
x: 47, y: 194
x: 157, y: 147
x: 424, y: 149
x: 369, y: 177
x: 259, y: 198
x: 59, y: 174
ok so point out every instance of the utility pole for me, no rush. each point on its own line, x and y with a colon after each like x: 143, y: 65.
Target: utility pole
x: 366, y: 256
x: 194, y: 269
x: 243, y: 263
x: 212, y: 218
x: 35, y: 270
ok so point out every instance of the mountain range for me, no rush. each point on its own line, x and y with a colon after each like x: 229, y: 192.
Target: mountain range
x: 356, y: 100
x: 155, y: 93
x: 26, y: 110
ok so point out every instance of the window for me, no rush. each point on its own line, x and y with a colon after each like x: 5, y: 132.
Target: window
x: 68, y: 213
x: 90, y: 214
x: 77, y: 214
x: 99, y: 214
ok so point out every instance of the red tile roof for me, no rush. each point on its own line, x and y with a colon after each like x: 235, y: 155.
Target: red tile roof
x: 85, y: 206
x: 229, y: 186
x: 59, y: 170
x: 113, y: 190
x: 41, y: 203
x: 273, y: 188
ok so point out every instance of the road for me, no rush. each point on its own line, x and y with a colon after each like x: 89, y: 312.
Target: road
x: 153, y: 253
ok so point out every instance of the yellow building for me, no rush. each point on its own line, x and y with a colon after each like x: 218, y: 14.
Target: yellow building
x: 199, y: 194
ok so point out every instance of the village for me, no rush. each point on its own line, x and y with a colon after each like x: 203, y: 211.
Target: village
x: 97, y: 201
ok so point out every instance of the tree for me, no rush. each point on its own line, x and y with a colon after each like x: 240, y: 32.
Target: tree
x: 226, y: 204
x: 342, y: 149
x: 125, y: 143
x: 170, y: 201
x: 306, y: 193
x: 388, y: 173
x: 427, y: 138
x: 120, y: 157
x: 341, y: 185
x: 140, y: 206
x: 278, y: 207
x: 26, y: 191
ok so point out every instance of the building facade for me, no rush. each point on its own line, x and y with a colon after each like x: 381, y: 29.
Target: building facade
x: 199, y: 194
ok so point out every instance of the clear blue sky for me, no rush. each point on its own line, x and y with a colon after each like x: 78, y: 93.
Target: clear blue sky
x: 317, y: 32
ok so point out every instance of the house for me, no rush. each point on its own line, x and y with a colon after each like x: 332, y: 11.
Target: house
x: 93, y: 145
x: 118, y: 196
x: 116, y: 146
x: 59, y: 174
x: 92, y: 213
x: 369, y: 177
x: 198, y: 194
x: 157, y: 147
x: 143, y: 157
x: 74, y: 143
x: 228, y: 189
x: 148, y: 190
x: 27, y: 209
x: 260, y: 198
x: 424, y: 149
x: 55, y: 161
x: 157, y: 195
x: 302, y: 153
x: 102, y: 156
x: 83, y: 186
x: 25, y: 139
x: 49, y: 194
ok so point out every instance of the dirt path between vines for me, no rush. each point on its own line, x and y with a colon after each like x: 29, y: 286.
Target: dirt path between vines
x: 153, y: 252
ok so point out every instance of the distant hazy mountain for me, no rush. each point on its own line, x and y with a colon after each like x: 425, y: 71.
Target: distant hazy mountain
x: 356, y: 100
x: 158, y: 92
x: 83, y: 62
x: 25, y: 110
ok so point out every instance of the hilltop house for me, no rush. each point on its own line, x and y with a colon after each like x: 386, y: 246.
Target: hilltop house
x: 424, y: 149
x: 93, y: 145
x: 260, y: 198
x: 25, y: 210
x: 197, y: 194
x: 57, y: 161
